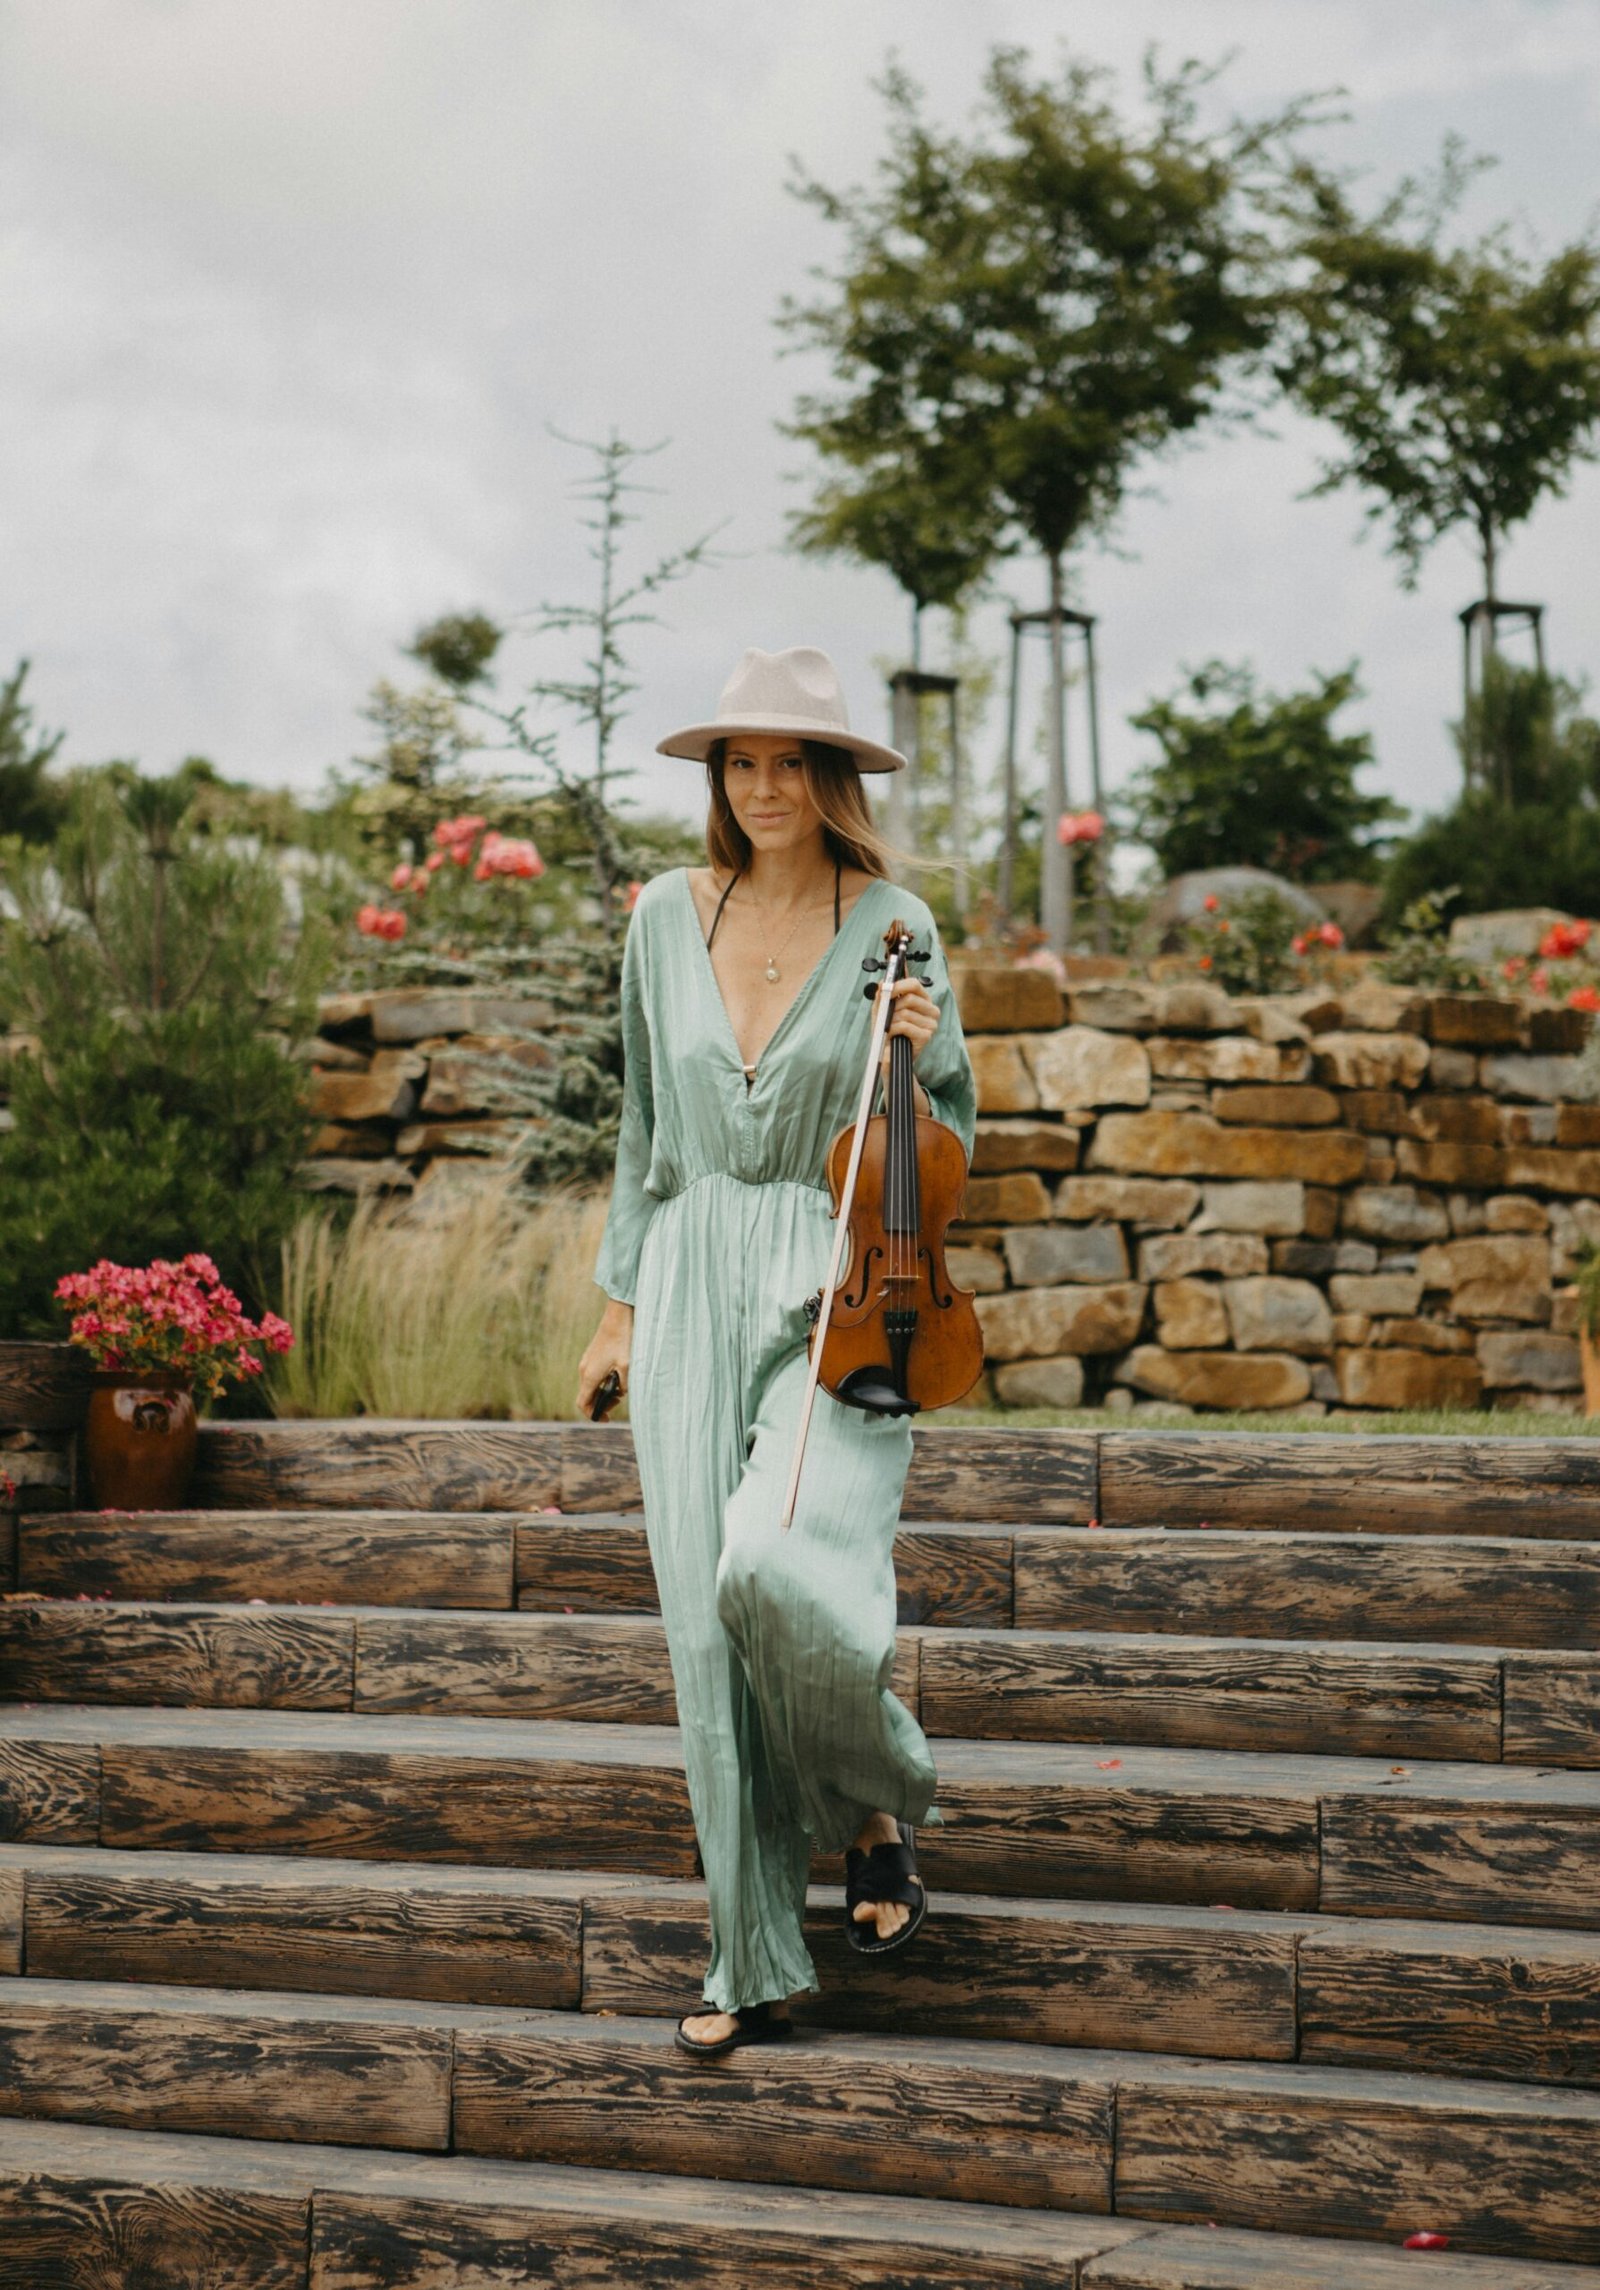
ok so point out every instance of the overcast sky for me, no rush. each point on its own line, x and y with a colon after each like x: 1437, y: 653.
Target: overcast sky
x: 293, y: 292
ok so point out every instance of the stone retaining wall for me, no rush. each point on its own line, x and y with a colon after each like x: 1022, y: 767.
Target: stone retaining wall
x: 1360, y: 1199
x: 417, y: 1085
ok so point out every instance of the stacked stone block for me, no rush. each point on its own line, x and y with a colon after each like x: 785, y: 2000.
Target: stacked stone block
x: 416, y: 1085
x: 1353, y: 1200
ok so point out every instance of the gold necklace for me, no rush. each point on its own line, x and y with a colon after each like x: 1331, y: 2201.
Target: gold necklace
x: 772, y: 974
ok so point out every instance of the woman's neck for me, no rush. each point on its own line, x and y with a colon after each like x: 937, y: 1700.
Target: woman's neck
x: 788, y: 878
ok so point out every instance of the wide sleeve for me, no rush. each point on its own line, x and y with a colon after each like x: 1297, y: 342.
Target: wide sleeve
x: 617, y: 1265
x: 944, y: 1068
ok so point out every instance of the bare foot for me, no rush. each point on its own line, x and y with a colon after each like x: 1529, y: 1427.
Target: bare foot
x: 711, y: 2027
x: 888, y: 1915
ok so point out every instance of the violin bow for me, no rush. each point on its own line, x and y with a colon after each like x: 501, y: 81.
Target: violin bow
x: 893, y: 968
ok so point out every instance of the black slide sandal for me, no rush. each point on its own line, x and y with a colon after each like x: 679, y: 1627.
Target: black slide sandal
x: 883, y: 1872
x: 757, y: 2024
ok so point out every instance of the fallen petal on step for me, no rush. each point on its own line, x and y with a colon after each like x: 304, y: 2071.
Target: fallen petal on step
x: 1426, y: 2241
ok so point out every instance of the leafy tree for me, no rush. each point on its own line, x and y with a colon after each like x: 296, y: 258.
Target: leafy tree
x: 1464, y: 381
x: 31, y: 805
x: 1049, y: 303
x: 1252, y: 778
x: 459, y: 647
x: 157, y: 972
x: 1531, y: 840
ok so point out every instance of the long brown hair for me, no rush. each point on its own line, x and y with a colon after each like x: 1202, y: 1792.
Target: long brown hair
x: 834, y: 785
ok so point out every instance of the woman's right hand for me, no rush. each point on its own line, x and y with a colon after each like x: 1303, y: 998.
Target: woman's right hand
x: 609, y: 1348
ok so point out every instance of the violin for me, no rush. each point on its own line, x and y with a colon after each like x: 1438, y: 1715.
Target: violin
x: 891, y: 1333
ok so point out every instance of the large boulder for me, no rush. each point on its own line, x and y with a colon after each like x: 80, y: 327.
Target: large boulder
x: 1182, y: 899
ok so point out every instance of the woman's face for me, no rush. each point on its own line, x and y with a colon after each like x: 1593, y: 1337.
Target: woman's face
x: 764, y: 779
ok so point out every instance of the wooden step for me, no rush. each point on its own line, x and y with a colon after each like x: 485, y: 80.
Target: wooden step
x: 363, y: 1464
x: 1348, y: 2151
x: 372, y: 1557
x: 1512, y: 2168
x: 611, y: 1669
x: 1493, y: 2000
x: 1190, y: 1979
x: 1496, y: 2166
x: 1101, y: 1821
x: 1391, y: 1484
x: 968, y: 2122
x: 1420, y: 1701
x: 1463, y: 1589
x: 1280, y: 1695
x: 597, y: 1562
x: 1206, y: 2257
x: 318, y: 1926
x: 958, y: 1571
x: 353, y: 2070
x: 1456, y: 1999
x: 241, y: 2214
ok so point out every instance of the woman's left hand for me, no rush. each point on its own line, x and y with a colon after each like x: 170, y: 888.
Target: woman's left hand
x: 915, y: 1014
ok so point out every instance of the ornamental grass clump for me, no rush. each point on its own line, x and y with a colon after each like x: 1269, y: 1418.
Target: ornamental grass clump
x: 178, y: 1316
x: 478, y: 1303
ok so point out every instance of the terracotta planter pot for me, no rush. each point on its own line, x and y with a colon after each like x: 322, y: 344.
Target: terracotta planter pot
x: 139, y: 1439
x: 1589, y: 1353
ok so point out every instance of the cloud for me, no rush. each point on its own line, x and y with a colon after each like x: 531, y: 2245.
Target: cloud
x: 295, y: 295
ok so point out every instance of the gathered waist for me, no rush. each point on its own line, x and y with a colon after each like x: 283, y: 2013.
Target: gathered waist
x: 800, y: 1185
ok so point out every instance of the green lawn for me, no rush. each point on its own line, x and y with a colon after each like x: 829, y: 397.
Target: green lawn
x: 1477, y: 1423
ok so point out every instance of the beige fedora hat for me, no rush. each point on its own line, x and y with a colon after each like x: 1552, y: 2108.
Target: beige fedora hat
x: 796, y: 691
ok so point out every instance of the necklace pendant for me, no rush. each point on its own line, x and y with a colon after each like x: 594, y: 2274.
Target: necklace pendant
x: 772, y: 971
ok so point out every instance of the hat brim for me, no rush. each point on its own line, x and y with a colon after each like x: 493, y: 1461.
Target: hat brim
x: 695, y: 743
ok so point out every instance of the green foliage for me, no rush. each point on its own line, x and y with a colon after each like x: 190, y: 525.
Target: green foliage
x: 1019, y: 317
x: 31, y: 805
x: 458, y: 647
x: 1249, y: 778
x: 1532, y: 837
x: 1418, y: 952
x: 1249, y: 948
x: 922, y: 512
x: 1464, y: 381
x: 158, y: 973
x: 1586, y: 1278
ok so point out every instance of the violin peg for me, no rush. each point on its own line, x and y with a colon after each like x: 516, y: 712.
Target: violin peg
x: 870, y: 964
x: 927, y: 981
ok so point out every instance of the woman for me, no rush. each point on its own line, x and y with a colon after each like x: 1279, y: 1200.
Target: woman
x: 745, y: 1030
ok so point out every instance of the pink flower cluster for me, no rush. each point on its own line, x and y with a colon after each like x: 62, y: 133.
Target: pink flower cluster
x: 456, y: 837
x: 457, y: 841
x: 1080, y: 827
x: 165, y: 1315
x: 1325, y: 934
x: 507, y: 855
x: 380, y: 922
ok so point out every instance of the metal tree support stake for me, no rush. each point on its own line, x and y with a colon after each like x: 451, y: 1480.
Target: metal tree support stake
x: 1481, y: 624
x: 1059, y: 623
x: 908, y: 687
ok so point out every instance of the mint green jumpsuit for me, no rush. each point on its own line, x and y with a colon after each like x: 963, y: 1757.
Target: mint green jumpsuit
x: 720, y: 1227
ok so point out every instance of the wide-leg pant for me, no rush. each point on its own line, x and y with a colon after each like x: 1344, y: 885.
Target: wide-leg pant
x: 782, y: 1644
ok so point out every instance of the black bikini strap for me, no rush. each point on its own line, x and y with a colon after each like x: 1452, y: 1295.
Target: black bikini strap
x: 732, y: 879
x: 717, y: 917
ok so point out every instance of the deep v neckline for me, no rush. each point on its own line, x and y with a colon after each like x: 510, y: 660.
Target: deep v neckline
x: 752, y: 1072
